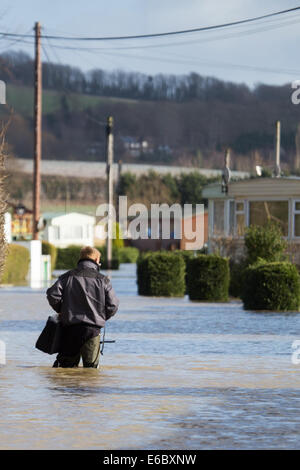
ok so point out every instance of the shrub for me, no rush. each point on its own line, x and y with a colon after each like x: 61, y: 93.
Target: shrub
x: 118, y: 241
x: 67, y: 258
x: 161, y: 274
x: 49, y: 249
x: 272, y: 286
x: 186, y: 256
x: 237, y: 277
x: 128, y: 254
x: 208, y: 278
x: 115, y: 262
x: 264, y: 242
x: 16, y: 265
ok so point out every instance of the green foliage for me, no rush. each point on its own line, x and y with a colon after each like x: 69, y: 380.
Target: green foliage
x: 161, y: 274
x: 186, y: 255
x: 185, y: 188
x: 118, y: 241
x: 190, y: 187
x: 170, y: 182
x: 272, y: 286
x: 237, y: 277
x: 68, y: 257
x: 128, y: 254
x: 16, y: 265
x: 127, y: 181
x: 208, y: 278
x: 115, y: 262
x: 49, y: 249
x: 264, y: 242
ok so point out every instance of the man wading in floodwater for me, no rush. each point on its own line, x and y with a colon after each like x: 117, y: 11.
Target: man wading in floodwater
x: 84, y: 299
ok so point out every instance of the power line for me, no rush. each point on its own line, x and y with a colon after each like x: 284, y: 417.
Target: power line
x: 196, y: 62
x: 154, y: 35
x: 237, y: 34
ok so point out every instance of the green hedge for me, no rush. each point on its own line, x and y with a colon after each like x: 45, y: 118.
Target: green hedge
x: 272, y: 286
x: 237, y: 278
x: 161, y: 274
x: 128, y: 254
x: 186, y: 255
x: 67, y: 258
x: 49, y: 249
x: 208, y: 278
x: 115, y: 262
x: 16, y: 264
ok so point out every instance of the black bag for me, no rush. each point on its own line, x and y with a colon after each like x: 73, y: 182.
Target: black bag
x: 49, y: 340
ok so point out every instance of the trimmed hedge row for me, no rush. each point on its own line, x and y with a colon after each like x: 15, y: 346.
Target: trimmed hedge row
x: 115, y: 262
x: 67, y: 258
x: 272, y: 286
x: 16, y: 264
x: 208, y: 278
x: 166, y: 273
x: 186, y: 255
x: 161, y: 274
x: 237, y: 278
x: 128, y: 254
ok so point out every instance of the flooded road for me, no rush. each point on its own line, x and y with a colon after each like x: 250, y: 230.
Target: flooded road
x: 181, y: 374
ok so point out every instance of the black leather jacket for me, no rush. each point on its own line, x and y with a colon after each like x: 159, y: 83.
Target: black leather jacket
x: 83, y: 295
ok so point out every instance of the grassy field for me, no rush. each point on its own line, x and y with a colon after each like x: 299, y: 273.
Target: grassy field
x: 20, y: 98
x: 89, y: 209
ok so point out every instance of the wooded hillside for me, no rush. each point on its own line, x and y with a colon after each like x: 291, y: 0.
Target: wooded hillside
x: 184, y: 119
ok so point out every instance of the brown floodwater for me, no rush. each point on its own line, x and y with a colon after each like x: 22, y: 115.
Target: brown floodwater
x: 181, y: 374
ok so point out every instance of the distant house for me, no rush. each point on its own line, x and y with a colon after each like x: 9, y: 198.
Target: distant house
x: 74, y: 228
x: 134, y: 146
x: 21, y: 222
x: 254, y: 202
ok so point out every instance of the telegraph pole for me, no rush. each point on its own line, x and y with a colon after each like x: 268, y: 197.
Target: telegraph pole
x: 109, y: 171
x: 277, y: 150
x: 118, y: 193
x: 37, y: 131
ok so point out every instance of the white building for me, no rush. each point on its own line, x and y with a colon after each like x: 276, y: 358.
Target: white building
x: 74, y: 228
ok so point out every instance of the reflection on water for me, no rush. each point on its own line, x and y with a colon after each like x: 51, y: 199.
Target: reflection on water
x: 180, y: 375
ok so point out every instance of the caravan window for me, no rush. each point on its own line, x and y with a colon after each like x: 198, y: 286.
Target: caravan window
x: 240, y: 218
x: 218, y: 224
x: 296, y: 217
x: 262, y: 212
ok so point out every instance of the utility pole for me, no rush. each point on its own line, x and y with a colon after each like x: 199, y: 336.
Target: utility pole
x: 118, y: 192
x: 226, y: 173
x: 37, y: 131
x: 277, y: 150
x: 109, y: 171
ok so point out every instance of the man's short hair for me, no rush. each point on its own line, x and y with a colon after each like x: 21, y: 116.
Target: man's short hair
x: 89, y: 252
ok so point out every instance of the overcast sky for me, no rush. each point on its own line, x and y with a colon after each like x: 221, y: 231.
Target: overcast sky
x: 266, y: 51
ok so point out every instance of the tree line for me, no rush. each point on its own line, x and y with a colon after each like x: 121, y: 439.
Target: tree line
x: 194, y: 117
x: 18, y: 67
